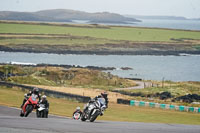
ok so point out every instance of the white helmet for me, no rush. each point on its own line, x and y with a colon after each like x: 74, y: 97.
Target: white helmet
x: 78, y: 108
x: 44, y: 97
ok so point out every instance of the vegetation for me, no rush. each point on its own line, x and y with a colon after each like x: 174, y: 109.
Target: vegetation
x: 175, y: 89
x: 90, y: 39
x: 113, y: 33
x: 58, y: 76
x: 13, y: 97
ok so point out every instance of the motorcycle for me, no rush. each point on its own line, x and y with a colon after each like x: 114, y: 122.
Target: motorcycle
x: 42, y: 112
x: 76, y: 116
x: 29, y: 105
x: 93, y: 110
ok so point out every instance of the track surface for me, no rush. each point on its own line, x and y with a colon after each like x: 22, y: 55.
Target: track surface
x: 11, y: 122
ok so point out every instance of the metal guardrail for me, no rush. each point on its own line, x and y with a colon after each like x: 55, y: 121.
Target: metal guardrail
x: 52, y: 93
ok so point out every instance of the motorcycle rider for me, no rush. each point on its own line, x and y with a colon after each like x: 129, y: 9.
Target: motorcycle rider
x: 46, y: 104
x: 78, y: 110
x: 102, y: 95
x: 105, y: 96
x: 34, y: 91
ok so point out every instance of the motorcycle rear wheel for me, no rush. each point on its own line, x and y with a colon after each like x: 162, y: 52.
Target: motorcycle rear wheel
x: 83, y: 118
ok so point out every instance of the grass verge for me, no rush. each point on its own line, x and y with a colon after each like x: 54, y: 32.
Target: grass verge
x: 14, y: 96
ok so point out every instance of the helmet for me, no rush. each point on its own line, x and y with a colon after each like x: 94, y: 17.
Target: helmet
x: 35, y: 90
x: 78, y: 108
x: 44, y: 97
x: 104, y: 94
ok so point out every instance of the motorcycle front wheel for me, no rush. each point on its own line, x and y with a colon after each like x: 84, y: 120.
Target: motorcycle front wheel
x: 29, y: 109
x: 94, y: 116
x: 83, y: 117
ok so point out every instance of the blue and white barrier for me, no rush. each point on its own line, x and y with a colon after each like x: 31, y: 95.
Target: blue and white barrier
x: 161, y: 106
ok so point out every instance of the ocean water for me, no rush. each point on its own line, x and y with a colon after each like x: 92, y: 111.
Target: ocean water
x: 159, y: 23
x: 174, y: 68
x: 171, y: 24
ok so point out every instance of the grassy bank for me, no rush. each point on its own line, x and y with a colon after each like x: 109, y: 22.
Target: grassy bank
x: 14, y: 96
x: 59, y: 76
x: 176, y: 89
x: 112, y: 39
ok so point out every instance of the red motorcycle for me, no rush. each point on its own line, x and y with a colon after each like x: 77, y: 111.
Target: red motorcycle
x: 29, y: 105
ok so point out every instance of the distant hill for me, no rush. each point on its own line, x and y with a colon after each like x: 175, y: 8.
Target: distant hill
x: 156, y: 17
x: 64, y: 15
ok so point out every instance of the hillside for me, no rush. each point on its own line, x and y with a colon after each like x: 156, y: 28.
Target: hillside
x: 64, y: 15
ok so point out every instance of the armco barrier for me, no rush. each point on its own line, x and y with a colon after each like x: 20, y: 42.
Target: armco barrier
x: 56, y: 94
x: 157, y: 105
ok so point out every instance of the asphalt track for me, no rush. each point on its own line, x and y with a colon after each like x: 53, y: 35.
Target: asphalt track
x: 10, y: 122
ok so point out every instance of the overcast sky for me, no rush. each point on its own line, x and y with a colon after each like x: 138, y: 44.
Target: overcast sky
x: 185, y: 8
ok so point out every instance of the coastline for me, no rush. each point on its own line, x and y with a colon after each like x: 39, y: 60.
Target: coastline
x: 106, y: 52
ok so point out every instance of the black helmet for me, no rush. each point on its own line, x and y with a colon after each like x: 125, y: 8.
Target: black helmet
x: 36, y: 90
x: 104, y: 94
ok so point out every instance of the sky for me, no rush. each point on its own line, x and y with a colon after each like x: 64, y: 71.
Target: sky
x: 185, y: 8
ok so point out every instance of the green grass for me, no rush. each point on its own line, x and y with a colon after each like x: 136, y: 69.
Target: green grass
x: 55, y: 41
x: 13, y: 97
x: 114, y: 33
x: 175, y: 88
x: 74, y: 77
x: 197, y: 47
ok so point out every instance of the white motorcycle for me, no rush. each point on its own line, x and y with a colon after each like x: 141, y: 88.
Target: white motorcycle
x: 42, y: 112
x: 93, y: 110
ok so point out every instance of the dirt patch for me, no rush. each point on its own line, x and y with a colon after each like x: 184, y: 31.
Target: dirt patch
x: 112, y: 96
